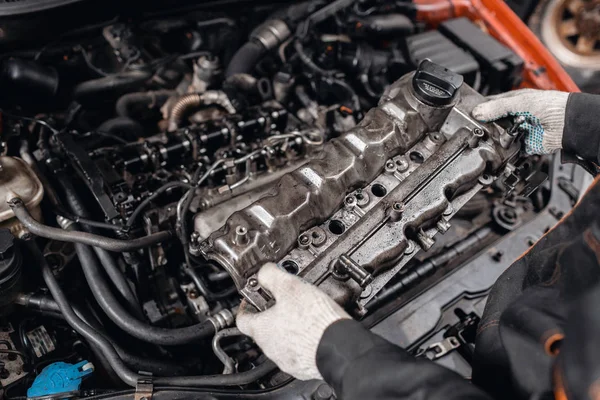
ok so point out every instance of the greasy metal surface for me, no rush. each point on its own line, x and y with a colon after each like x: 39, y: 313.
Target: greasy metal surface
x: 18, y: 177
x: 218, y: 205
x: 376, y: 195
x: 313, y: 192
x: 13, y: 365
x: 420, y: 318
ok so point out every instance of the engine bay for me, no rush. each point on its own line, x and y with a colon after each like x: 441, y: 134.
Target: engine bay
x: 150, y: 166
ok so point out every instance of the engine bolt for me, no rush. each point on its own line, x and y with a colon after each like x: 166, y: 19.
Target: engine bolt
x: 241, y: 235
x: 397, y: 210
x: 474, y: 139
x: 319, y: 237
x: 252, y: 282
x: 362, y: 198
x: 350, y: 201
x: 390, y: 167
x: 402, y: 164
x: 304, y: 241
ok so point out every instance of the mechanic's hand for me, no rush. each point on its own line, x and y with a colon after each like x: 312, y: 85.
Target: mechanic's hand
x: 544, y: 111
x: 289, y: 332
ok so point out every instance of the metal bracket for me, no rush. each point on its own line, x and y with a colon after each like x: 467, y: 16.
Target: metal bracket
x: 144, y: 389
x: 440, y: 349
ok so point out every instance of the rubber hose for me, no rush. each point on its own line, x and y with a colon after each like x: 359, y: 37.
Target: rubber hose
x: 90, y: 334
x: 110, y: 244
x: 50, y: 308
x: 108, y: 262
x: 123, y: 319
x: 245, y: 59
x: 241, y: 378
x: 119, y: 125
x: 141, y: 100
x: 129, y: 377
x: 90, y: 91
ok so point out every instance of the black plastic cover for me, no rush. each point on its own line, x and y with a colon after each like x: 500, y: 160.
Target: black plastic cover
x: 434, y: 46
x: 503, y: 67
x: 436, y: 85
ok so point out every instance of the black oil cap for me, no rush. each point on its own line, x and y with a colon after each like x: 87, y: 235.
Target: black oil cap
x: 436, y: 85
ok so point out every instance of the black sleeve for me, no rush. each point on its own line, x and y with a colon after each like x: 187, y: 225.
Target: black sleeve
x: 582, y: 126
x: 361, y: 365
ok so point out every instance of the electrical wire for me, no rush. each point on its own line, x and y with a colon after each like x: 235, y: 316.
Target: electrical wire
x: 88, y: 62
x: 138, y: 210
x: 34, y: 120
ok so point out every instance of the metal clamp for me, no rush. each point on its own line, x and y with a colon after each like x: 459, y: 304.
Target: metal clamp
x: 144, y: 389
x: 355, y: 271
x: 440, y: 349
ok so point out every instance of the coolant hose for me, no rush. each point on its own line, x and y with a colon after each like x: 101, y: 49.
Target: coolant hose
x: 122, y: 318
x: 131, y: 102
x: 91, y: 91
x: 241, y: 378
x: 106, y: 259
x: 90, y: 334
x: 49, y: 307
x: 245, y: 59
x: 110, y: 244
x: 129, y: 377
x: 119, y: 125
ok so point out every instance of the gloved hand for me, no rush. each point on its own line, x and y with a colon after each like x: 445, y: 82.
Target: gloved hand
x: 289, y: 332
x: 544, y: 112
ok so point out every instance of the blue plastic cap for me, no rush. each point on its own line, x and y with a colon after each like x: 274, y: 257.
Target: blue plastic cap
x: 59, y: 380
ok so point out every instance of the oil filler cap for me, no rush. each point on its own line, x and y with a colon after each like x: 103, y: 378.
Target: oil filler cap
x: 436, y: 85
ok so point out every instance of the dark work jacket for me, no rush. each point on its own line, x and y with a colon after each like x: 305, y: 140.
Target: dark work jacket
x: 539, y: 336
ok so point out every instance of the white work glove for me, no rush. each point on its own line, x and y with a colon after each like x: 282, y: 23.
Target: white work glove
x: 544, y: 112
x: 289, y: 332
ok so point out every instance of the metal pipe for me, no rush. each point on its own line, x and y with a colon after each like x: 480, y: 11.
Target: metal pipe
x: 220, y: 353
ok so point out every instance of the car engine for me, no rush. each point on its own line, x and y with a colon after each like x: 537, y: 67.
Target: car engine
x: 152, y: 163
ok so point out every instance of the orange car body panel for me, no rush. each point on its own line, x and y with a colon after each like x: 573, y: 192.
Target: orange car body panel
x: 541, y: 70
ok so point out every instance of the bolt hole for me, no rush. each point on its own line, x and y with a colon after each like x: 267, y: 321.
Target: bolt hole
x: 417, y: 157
x: 336, y: 227
x: 359, y: 196
x: 378, y: 190
x: 290, y: 266
x: 316, y: 235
